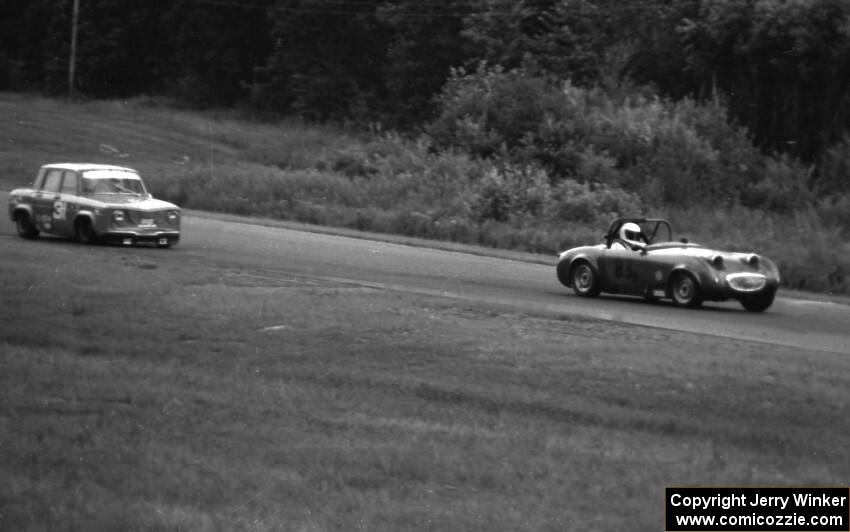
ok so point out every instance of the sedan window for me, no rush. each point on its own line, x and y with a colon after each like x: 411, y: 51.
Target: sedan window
x: 52, y: 181
x: 112, y: 186
x: 69, y: 183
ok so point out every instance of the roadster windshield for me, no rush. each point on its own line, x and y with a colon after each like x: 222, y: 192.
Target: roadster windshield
x: 112, y: 182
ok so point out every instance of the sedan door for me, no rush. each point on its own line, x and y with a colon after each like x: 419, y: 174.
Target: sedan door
x: 45, y: 202
x: 66, y: 206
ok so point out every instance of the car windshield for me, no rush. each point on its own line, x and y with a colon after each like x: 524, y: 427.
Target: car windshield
x: 112, y: 182
x: 654, y: 231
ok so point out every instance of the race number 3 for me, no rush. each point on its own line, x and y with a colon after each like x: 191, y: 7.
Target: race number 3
x: 60, y: 208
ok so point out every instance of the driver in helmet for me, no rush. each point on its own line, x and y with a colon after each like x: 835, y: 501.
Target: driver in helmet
x: 630, y: 237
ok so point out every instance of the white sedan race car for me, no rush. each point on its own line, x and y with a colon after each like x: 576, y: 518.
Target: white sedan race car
x: 93, y: 203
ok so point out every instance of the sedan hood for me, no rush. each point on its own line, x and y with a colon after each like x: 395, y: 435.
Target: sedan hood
x: 131, y: 201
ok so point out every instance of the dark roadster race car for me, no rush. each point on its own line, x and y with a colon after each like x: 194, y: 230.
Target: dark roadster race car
x: 639, y: 257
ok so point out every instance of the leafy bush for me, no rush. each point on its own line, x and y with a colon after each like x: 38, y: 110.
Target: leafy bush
x: 834, y: 169
x: 667, y: 152
x: 782, y: 189
x: 582, y: 202
x: 835, y: 211
x: 508, y: 192
x: 492, y: 111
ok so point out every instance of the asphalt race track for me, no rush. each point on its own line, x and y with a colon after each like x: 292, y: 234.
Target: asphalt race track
x: 525, y: 286
x: 512, y: 284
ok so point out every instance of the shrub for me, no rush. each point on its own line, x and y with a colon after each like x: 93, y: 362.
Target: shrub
x: 508, y: 192
x: 835, y: 211
x: 492, y: 110
x: 834, y: 169
x: 582, y: 202
x: 782, y: 189
x: 668, y: 152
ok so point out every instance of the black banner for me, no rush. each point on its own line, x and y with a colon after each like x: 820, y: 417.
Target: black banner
x: 757, y: 509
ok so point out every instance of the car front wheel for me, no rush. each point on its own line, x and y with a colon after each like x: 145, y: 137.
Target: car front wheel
x: 585, y: 282
x: 758, y: 303
x: 26, y: 228
x: 85, y: 232
x: 685, y: 291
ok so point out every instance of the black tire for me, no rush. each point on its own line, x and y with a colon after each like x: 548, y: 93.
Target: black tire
x: 584, y: 280
x: 758, y: 303
x: 26, y: 228
x: 685, y: 290
x: 84, y: 232
x: 563, y: 270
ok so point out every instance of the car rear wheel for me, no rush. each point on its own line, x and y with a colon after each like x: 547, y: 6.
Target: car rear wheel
x: 758, y: 303
x: 25, y: 226
x: 584, y: 280
x: 685, y: 291
x: 84, y: 231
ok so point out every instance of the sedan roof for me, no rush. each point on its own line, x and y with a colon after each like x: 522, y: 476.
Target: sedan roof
x: 79, y: 167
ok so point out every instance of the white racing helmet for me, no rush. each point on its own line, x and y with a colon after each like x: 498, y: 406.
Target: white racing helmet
x: 631, y: 234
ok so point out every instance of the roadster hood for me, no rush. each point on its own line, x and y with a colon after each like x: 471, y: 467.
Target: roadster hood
x: 727, y: 261
x: 693, y: 250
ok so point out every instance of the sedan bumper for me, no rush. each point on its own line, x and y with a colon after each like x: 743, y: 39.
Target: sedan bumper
x: 129, y: 238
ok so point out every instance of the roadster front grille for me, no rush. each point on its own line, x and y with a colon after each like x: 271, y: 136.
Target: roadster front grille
x: 746, y: 282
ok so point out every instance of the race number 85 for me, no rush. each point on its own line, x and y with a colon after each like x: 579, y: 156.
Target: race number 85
x: 625, y: 270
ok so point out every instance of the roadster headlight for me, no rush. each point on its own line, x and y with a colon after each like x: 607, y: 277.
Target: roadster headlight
x: 752, y: 259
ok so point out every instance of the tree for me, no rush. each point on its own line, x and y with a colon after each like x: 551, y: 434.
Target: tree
x: 566, y: 39
x: 784, y: 66
x: 216, y: 49
x: 326, y: 62
x: 425, y: 43
x: 13, y: 40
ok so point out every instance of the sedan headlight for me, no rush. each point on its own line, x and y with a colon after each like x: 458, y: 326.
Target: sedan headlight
x: 118, y: 215
x: 172, y: 217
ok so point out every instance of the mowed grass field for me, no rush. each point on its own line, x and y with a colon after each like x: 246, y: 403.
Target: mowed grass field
x: 142, y: 389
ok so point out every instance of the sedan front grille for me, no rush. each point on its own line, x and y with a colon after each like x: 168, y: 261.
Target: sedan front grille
x: 157, y: 218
